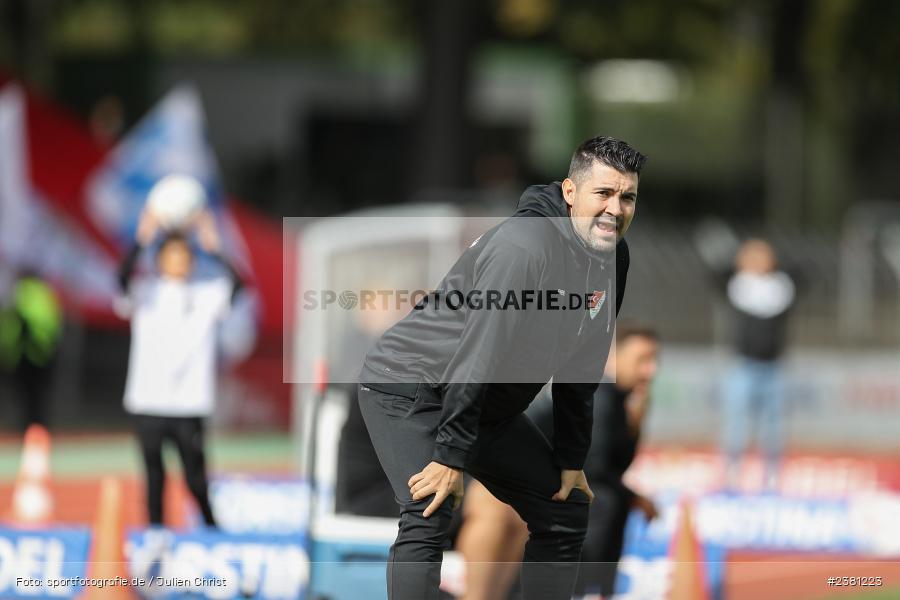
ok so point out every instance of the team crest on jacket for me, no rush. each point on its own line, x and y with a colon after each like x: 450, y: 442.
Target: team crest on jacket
x: 596, y: 302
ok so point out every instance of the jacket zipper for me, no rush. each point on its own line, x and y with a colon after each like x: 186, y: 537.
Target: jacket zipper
x: 609, y: 301
x: 587, y: 283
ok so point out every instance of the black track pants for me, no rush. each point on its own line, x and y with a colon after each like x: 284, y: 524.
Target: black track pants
x: 513, y: 460
x: 187, y: 434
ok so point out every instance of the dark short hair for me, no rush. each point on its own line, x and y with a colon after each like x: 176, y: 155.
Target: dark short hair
x: 609, y: 151
x: 173, y: 237
x: 626, y: 330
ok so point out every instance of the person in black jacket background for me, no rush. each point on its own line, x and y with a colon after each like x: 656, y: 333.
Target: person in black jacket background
x: 444, y: 389
x: 619, y: 410
x: 491, y: 531
x: 760, y: 296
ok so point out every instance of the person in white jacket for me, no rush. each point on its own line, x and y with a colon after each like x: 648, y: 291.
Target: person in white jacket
x: 170, y: 388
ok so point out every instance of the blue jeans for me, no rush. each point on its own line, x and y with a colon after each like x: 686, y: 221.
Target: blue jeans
x: 754, y: 392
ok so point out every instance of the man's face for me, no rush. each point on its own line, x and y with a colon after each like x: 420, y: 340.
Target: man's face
x: 636, y: 362
x: 601, y: 205
x: 175, y: 260
x: 756, y: 256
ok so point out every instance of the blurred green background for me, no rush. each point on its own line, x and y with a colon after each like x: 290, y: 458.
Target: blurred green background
x: 776, y: 111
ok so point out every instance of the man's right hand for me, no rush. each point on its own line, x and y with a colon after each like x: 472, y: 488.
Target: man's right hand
x: 440, y: 480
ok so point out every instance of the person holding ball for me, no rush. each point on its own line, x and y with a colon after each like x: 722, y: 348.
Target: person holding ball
x: 170, y: 387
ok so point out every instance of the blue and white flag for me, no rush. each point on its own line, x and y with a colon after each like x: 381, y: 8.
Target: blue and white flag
x: 172, y: 139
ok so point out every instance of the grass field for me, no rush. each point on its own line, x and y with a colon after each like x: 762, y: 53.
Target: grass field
x: 86, y: 455
x: 79, y: 461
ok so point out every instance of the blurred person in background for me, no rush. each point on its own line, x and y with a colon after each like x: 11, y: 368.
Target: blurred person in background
x: 619, y: 411
x: 760, y: 296
x: 491, y: 539
x: 107, y: 119
x: 31, y: 324
x: 170, y: 388
x: 493, y: 536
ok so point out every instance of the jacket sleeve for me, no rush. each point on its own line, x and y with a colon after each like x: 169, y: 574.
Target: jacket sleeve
x: 126, y: 267
x: 237, y: 284
x: 623, y: 261
x: 573, y: 420
x: 486, y: 337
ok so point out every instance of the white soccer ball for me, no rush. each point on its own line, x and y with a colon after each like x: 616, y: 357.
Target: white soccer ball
x: 175, y: 199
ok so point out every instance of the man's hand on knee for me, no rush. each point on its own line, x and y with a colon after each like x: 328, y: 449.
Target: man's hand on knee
x: 570, y: 480
x: 440, y: 480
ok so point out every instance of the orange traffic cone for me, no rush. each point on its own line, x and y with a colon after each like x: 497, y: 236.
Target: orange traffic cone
x: 32, y: 503
x: 107, y: 549
x: 688, y: 581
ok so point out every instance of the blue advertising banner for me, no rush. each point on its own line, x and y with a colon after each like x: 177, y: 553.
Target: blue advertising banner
x: 266, y: 505
x: 46, y: 563
x: 213, y: 564
x: 645, y: 569
x: 770, y: 522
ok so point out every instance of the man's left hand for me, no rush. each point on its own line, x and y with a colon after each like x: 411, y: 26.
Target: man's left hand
x: 570, y: 480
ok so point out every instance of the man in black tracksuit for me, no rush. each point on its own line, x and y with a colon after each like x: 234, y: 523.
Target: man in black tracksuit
x: 444, y: 389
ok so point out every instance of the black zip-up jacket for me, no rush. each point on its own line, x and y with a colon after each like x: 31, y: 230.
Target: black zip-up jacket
x: 486, y: 365
x: 613, y: 446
